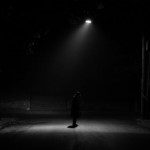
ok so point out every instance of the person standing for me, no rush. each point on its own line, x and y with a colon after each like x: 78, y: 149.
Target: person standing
x: 75, y: 108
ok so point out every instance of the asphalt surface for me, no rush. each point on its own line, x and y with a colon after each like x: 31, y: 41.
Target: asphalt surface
x: 91, y: 134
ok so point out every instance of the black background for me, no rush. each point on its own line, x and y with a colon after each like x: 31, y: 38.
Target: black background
x: 110, y: 72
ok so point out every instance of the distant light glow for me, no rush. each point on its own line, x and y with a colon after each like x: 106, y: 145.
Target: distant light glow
x: 88, y: 21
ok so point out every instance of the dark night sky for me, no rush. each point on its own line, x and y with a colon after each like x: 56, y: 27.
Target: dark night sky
x: 32, y: 32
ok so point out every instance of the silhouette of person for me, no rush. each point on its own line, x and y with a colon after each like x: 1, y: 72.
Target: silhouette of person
x: 75, y: 109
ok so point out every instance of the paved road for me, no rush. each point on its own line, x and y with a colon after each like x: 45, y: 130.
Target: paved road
x: 91, y: 134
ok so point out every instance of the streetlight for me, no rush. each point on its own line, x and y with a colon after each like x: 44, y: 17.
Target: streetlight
x: 88, y: 21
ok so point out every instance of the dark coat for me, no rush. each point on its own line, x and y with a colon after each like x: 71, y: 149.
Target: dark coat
x: 75, y: 106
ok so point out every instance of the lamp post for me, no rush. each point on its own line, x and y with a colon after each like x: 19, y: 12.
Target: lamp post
x: 142, y: 78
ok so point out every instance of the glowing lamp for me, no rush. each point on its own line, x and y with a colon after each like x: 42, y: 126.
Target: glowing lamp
x: 88, y: 21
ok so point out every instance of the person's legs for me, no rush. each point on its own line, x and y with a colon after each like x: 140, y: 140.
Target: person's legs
x: 74, y: 123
